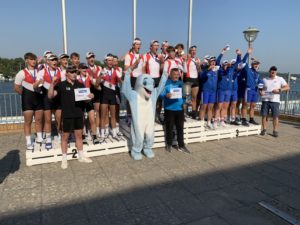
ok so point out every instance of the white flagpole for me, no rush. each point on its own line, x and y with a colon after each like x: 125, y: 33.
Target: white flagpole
x: 63, y: 8
x: 134, y: 19
x: 190, y: 24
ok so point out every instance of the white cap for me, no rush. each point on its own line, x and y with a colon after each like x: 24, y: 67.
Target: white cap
x: 51, y: 57
x: 207, y: 57
x: 89, y: 55
x: 47, y: 52
x: 108, y: 56
x: 153, y: 41
x: 137, y: 41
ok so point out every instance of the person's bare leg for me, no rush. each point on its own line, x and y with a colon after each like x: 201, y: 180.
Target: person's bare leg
x: 202, y: 111
x: 57, y: 114
x: 264, y: 123
x: 28, y: 114
x: 38, y: 117
x: 91, y: 115
x: 275, y: 123
x: 97, y: 116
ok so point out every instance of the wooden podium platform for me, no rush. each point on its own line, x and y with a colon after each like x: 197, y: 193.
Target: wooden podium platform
x: 194, y: 132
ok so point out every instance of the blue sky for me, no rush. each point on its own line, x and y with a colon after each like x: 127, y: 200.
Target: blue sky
x: 106, y: 26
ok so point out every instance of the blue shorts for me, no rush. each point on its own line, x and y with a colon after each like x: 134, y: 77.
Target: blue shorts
x: 251, y: 96
x: 224, y: 96
x: 241, y: 93
x: 234, y: 96
x: 208, y: 97
x: 267, y: 106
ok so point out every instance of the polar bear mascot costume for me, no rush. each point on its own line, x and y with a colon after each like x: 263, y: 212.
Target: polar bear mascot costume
x: 142, y: 101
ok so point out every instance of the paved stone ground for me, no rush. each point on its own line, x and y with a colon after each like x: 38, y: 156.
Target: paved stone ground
x: 220, y: 183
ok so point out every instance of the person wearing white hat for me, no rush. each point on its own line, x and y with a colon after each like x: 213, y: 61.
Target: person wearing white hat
x: 164, y: 53
x: 46, y: 76
x: 42, y: 61
x: 134, y: 60
x: 63, y: 63
x: 94, y: 71
x: 109, y: 80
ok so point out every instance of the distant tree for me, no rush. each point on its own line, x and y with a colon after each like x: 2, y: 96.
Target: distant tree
x: 10, y: 67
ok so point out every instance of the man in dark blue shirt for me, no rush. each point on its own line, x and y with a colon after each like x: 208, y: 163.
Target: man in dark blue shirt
x: 174, y: 114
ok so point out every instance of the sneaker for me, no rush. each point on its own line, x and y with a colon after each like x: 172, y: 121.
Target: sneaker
x: 235, y: 122
x: 84, y: 141
x: 117, y: 138
x: 253, y: 122
x: 263, y: 132
x: 48, y: 145
x: 85, y: 159
x: 95, y: 141
x: 210, y: 126
x: 238, y: 121
x: 169, y: 148
x: 245, y: 123
x: 64, y: 164
x: 101, y: 140
x: 275, y: 133
x: 120, y: 134
x: 39, y: 141
x: 30, y: 146
x: 184, y: 149
x: 223, y: 124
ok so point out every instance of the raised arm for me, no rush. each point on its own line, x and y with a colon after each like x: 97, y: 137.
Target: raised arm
x: 51, y: 92
x: 162, y: 84
x: 126, y: 86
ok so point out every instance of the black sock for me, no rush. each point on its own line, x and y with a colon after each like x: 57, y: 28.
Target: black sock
x: 251, y: 119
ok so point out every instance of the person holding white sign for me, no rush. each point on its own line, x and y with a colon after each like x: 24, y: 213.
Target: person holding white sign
x: 270, y: 93
x: 71, y: 113
x: 174, y: 114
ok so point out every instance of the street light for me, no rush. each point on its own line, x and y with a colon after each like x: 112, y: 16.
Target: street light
x: 250, y: 35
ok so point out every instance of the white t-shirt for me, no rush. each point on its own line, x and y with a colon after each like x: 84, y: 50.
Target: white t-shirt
x: 137, y: 71
x: 152, y: 64
x: 191, y: 68
x: 170, y: 64
x: 271, y: 84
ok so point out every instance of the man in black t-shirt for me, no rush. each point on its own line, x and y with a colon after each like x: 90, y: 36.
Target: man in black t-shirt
x: 72, y: 113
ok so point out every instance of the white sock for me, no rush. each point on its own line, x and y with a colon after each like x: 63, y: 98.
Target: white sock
x: 102, y: 132
x: 80, y: 153
x: 106, y: 130
x: 98, y: 130
x: 28, y: 140
x: 64, y: 156
x: 39, y: 135
x: 117, y: 129
x: 114, y: 132
x: 48, y: 137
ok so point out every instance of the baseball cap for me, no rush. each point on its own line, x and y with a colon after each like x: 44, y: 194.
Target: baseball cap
x: 71, y: 68
x: 273, y: 68
x: 212, y: 58
x: 90, y: 54
x: 108, y: 56
x: 153, y: 42
x: 255, y: 62
x: 225, y: 62
x: 232, y: 61
x: 47, y: 52
x: 62, y: 56
x: 137, y: 41
x: 52, y: 57
x: 82, y: 66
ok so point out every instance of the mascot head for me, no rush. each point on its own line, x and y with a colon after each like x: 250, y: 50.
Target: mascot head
x: 144, y: 86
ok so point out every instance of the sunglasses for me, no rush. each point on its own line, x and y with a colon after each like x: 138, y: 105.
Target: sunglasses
x: 74, y: 71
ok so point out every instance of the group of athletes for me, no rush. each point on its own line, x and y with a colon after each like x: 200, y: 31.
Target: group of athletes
x: 218, y: 88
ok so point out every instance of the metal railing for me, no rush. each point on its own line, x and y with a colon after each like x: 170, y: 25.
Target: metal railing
x: 11, y: 109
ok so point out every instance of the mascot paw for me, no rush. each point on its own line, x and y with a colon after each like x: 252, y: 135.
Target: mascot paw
x: 149, y: 153
x: 136, y: 155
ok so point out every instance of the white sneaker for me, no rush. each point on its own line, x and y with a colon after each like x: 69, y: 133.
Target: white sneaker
x: 64, y: 164
x: 117, y: 138
x: 223, y: 124
x: 210, y: 126
x: 39, y: 141
x: 29, y: 146
x: 85, y: 159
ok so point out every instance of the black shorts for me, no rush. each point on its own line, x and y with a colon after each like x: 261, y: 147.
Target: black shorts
x: 193, y: 81
x: 108, y: 96
x: 88, y: 106
x: 51, y: 104
x: 31, y: 100
x: 156, y: 81
x: 97, y: 95
x: 71, y: 124
x: 267, y: 106
x: 133, y: 81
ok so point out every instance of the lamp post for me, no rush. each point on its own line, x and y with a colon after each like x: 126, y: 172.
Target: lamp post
x: 250, y: 35
x: 64, y: 21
